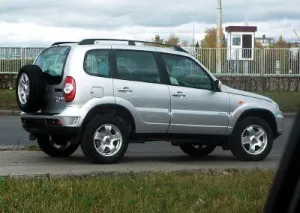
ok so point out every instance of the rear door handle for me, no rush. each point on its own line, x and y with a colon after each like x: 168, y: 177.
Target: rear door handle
x: 179, y: 94
x: 125, y: 89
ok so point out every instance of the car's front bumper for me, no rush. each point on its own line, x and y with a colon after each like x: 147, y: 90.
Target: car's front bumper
x: 280, y: 124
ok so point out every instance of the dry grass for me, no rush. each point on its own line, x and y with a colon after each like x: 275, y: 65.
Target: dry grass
x: 8, y: 99
x: 288, y: 101
x: 231, y: 191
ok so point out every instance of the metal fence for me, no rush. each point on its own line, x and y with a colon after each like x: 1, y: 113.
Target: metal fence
x: 13, y: 58
x: 250, y: 61
x: 232, y: 61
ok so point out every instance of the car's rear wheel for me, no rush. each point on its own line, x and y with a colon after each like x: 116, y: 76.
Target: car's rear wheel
x: 251, y: 140
x: 105, y: 139
x: 30, y: 88
x: 197, y: 150
x: 56, y: 146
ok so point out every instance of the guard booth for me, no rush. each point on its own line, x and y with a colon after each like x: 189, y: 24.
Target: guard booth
x: 240, y: 46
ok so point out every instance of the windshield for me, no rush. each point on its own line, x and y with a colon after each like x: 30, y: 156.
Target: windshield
x: 52, y: 60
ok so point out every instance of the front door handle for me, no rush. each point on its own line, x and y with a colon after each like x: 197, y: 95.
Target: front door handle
x: 179, y: 94
x: 125, y: 89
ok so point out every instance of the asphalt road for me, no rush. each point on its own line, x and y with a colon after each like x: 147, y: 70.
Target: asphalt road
x: 152, y: 156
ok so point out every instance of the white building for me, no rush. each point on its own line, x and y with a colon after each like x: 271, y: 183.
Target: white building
x: 265, y: 41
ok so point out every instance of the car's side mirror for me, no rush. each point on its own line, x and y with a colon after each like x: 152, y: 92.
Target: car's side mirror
x: 217, y: 86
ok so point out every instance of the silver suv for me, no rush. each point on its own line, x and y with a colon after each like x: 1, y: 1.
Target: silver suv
x: 103, y: 94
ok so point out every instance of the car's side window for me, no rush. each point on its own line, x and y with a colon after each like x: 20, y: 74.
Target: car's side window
x: 137, y: 66
x: 183, y: 71
x: 96, y: 62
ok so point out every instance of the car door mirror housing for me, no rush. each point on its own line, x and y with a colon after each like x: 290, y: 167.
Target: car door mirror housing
x: 217, y: 86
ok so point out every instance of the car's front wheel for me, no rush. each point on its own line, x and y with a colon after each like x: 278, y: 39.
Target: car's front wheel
x: 251, y: 140
x: 105, y: 139
x: 56, y: 146
x: 197, y: 150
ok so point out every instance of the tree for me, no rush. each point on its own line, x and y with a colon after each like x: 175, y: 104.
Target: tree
x: 281, y: 43
x: 172, y: 40
x: 185, y: 43
x: 210, y: 39
x: 157, y: 39
x: 258, y: 44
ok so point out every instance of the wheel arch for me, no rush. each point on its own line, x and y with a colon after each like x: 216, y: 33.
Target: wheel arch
x: 113, y: 110
x: 264, y: 114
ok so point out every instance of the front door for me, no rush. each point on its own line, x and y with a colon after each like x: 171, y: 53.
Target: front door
x: 195, y: 107
x: 138, y: 86
x: 247, y: 46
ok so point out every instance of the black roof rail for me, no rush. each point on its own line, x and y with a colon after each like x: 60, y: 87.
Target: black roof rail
x: 130, y: 42
x: 63, y: 42
x: 178, y: 48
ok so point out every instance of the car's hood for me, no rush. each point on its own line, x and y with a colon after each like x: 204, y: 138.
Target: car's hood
x: 247, y: 94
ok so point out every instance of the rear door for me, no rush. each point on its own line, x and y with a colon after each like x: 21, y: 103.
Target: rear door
x: 138, y: 85
x: 52, y: 62
x: 195, y: 107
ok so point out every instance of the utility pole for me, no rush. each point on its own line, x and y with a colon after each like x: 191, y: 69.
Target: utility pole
x: 246, y: 13
x: 193, y: 35
x: 297, y: 35
x: 219, y: 35
x: 246, y: 63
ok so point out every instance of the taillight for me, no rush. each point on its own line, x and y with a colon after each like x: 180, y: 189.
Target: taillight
x: 69, y: 89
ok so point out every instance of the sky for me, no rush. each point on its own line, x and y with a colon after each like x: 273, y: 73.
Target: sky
x: 42, y: 22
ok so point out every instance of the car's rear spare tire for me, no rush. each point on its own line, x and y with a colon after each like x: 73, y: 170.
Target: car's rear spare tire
x: 30, y: 88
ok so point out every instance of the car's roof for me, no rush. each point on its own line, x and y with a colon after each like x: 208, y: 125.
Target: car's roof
x: 125, y: 46
x: 120, y: 46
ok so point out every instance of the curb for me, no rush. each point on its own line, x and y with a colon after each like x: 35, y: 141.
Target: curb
x: 217, y: 171
x: 289, y: 115
x: 10, y: 113
x: 15, y: 148
x: 12, y: 148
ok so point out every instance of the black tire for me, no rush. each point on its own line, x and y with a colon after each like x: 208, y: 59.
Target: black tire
x: 47, y: 145
x: 88, y: 146
x: 235, y: 141
x: 197, y: 150
x: 37, y: 86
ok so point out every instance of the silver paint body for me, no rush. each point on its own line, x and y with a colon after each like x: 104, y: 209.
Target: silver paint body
x: 155, y: 108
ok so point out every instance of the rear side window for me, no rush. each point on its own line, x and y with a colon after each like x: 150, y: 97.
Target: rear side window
x: 96, y: 62
x: 137, y: 66
x: 52, y: 60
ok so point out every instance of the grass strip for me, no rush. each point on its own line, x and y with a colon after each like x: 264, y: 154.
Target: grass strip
x: 210, y: 191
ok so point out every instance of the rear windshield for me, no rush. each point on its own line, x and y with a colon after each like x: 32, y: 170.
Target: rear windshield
x: 52, y: 60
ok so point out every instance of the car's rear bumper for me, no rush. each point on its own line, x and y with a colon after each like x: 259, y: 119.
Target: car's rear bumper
x: 49, y: 126
x: 65, y: 120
